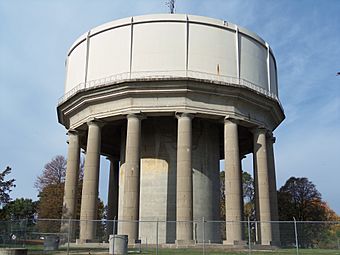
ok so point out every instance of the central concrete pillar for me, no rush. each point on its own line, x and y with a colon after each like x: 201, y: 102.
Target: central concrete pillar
x: 263, y: 212
x: 71, y: 181
x: 272, y: 189
x: 130, y: 210
x: 184, y: 196
x: 233, y: 181
x: 112, y: 200
x: 89, y: 197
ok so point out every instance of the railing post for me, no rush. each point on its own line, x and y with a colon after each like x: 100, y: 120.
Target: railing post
x: 68, y: 236
x: 296, y: 237
x: 26, y: 224
x: 157, y: 237
x: 249, y: 236
x: 203, y: 235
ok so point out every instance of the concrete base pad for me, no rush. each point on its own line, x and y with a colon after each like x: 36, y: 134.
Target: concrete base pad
x: 235, y: 242
x: 185, y: 242
x: 13, y: 251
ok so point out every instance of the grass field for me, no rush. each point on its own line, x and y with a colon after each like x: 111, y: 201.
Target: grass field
x: 39, y: 250
x: 211, y: 252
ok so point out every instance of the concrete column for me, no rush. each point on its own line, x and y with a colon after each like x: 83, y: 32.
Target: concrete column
x: 273, y: 189
x: 130, y: 210
x: 89, y: 197
x: 184, y: 195
x: 71, y: 181
x: 263, y: 213
x: 233, y: 181
x: 112, y: 200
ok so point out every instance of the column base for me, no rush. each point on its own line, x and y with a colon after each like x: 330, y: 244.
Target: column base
x: 84, y: 241
x: 185, y: 242
x: 235, y: 242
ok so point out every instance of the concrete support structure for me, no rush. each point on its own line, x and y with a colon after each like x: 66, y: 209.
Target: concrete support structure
x: 219, y: 69
x: 130, y: 203
x: 184, y: 198
x: 89, y: 199
x: 233, y: 181
x: 273, y: 189
x: 263, y: 212
x: 112, y: 200
x: 71, y: 181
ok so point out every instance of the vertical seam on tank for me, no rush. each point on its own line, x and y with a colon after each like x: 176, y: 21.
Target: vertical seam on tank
x: 237, y: 55
x: 187, y: 47
x: 268, y: 69
x: 66, y: 75
x: 87, y: 55
x: 131, y: 46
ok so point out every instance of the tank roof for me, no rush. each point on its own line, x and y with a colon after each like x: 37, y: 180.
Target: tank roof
x: 166, y: 18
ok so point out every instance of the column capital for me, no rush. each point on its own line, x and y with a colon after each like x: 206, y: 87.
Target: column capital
x: 259, y: 129
x: 228, y: 119
x: 111, y: 158
x: 139, y: 116
x: 271, y: 136
x: 179, y: 115
x: 95, y: 122
x: 72, y: 132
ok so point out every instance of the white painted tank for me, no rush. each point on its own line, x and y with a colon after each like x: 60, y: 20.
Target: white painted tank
x: 170, y: 46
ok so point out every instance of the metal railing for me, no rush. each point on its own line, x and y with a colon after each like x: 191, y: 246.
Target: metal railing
x: 166, y: 75
x: 159, y: 237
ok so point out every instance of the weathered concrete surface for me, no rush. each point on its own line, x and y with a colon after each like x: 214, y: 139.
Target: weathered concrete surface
x: 71, y: 182
x: 206, y: 180
x: 112, y: 200
x: 263, y: 213
x: 88, y: 211
x: 233, y: 191
x: 184, y: 191
x: 130, y: 206
x: 272, y: 189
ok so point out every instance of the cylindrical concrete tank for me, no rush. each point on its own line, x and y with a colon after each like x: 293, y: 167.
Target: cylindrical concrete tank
x: 136, y: 80
x: 170, y: 46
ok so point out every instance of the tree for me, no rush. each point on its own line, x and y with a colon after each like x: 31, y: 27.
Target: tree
x: 5, y: 186
x: 248, y: 194
x: 50, y: 185
x: 298, y: 198
x: 20, y: 208
x: 53, y: 173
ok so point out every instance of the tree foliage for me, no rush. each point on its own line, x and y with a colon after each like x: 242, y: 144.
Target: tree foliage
x: 53, y: 173
x: 299, y: 199
x: 248, y: 194
x: 50, y: 185
x: 5, y: 186
x: 20, y: 208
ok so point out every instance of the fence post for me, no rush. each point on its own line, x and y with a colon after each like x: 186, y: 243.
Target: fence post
x: 68, y: 236
x: 114, y: 226
x: 249, y: 236
x: 26, y: 223
x: 296, y: 237
x: 157, y: 237
x: 256, y: 232
x: 203, y: 236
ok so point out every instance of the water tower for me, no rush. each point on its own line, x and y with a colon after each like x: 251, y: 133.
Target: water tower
x: 165, y: 98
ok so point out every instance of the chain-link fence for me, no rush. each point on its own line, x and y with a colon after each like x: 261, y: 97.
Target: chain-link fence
x: 159, y: 237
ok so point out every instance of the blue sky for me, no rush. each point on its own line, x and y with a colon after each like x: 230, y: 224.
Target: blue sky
x: 304, y: 35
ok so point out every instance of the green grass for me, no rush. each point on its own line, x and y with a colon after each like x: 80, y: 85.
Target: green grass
x: 246, y: 252
x: 38, y: 249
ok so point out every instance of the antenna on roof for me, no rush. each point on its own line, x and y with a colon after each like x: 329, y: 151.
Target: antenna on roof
x: 171, y: 5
